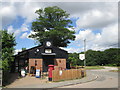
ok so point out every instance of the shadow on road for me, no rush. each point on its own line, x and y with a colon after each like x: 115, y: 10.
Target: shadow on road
x: 12, y: 78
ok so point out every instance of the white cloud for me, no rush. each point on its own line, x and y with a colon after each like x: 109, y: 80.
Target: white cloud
x: 72, y: 29
x: 99, y: 41
x: 91, y: 14
x: 24, y: 27
x: 8, y: 14
x: 109, y: 35
x: 17, y: 32
x: 71, y: 50
x: 97, y: 19
x: 16, y: 51
x: 24, y: 35
x: 85, y: 34
x: 12, y: 30
x: 10, y: 11
x: 27, y: 11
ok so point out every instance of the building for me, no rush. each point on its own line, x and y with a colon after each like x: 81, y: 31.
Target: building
x: 40, y: 57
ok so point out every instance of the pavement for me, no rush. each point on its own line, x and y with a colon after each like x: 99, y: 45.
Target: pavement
x: 88, y: 78
x: 92, y: 75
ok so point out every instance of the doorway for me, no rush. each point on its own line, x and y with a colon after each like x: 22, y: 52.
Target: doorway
x: 47, y: 60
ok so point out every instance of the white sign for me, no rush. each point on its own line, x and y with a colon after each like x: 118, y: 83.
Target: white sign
x: 60, y: 72
x: 81, y: 56
x: 37, y: 72
x: 23, y: 73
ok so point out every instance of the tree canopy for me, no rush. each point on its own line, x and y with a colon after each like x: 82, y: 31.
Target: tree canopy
x: 8, y: 43
x: 23, y: 49
x: 53, y: 24
x: 107, y: 57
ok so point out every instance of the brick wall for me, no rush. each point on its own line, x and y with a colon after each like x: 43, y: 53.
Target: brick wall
x: 38, y: 62
x: 60, y: 63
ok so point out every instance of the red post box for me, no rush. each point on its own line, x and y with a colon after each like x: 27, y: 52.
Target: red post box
x: 51, y: 67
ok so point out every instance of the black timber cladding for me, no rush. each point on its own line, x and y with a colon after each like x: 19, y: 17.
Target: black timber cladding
x: 31, y: 53
x: 22, y: 58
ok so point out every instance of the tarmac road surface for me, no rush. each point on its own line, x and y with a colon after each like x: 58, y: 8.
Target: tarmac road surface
x: 105, y: 79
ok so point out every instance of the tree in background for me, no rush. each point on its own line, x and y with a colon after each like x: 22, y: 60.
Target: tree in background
x: 73, y: 59
x: 111, y: 56
x: 53, y: 24
x: 8, y: 43
x: 108, y: 57
x: 90, y: 58
x: 23, y: 49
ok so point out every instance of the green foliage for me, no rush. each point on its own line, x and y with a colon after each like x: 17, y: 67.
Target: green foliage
x: 23, y: 49
x: 8, y: 43
x: 53, y: 24
x: 112, y: 56
x: 74, y: 60
x: 109, y: 57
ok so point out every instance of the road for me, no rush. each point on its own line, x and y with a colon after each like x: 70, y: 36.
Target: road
x: 105, y: 79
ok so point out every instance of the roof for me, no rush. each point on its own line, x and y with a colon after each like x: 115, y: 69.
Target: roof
x: 40, y: 46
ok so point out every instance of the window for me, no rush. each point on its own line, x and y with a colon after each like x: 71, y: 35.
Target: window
x: 35, y: 62
x: 48, y: 51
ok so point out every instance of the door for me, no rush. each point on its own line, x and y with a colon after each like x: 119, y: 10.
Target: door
x: 47, y: 60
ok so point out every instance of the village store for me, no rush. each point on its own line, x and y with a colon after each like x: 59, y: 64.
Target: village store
x: 40, y: 57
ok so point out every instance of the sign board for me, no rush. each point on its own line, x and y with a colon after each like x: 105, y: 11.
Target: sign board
x: 23, y: 73
x: 38, y: 73
x: 81, y: 56
x: 60, y: 72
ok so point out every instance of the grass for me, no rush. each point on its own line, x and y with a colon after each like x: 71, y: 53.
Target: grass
x: 114, y: 71
x: 93, y: 67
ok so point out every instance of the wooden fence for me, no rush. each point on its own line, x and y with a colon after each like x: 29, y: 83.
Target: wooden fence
x: 59, y: 75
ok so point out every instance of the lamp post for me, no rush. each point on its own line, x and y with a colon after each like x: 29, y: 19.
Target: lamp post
x: 85, y: 52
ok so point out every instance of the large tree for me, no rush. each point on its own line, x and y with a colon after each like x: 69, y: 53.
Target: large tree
x: 53, y: 24
x: 8, y: 43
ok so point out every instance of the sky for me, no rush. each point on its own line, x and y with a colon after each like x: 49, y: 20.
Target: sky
x: 95, y: 21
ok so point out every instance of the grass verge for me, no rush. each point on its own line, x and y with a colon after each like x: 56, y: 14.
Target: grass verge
x: 114, y: 71
x: 94, y: 67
